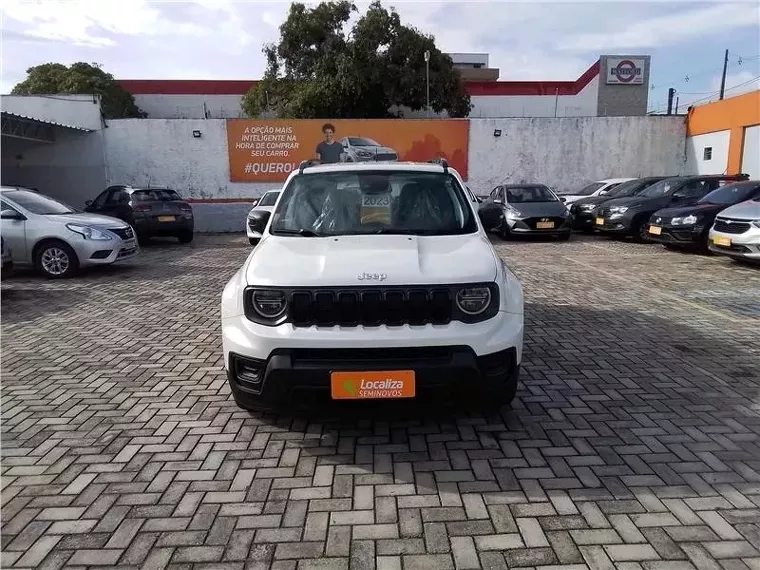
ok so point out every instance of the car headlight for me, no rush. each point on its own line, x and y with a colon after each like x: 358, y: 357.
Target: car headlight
x: 756, y: 223
x: 88, y: 232
x: 675, y: 221
x: 587, y: 207
x: 473, y: 300
x: 268, y: 304
x: 619, y: 209
x: 513, y: 213
x: 689, y: 220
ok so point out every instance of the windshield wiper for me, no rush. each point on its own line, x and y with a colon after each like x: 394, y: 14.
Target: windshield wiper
x: 299, y: 232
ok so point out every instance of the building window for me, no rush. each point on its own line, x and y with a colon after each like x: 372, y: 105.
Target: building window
x: 707, y: 155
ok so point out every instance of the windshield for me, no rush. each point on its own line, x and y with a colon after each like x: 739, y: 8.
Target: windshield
x: 367, y: 202
x: 362, y: 141
x: 590, y: 189
x: 660, y: 188
x: 37, y: 203
x: 626, y: 189
x: 269, y: 199
x: 730, y: 194
x: 155, y: 195
x: 530, y: 194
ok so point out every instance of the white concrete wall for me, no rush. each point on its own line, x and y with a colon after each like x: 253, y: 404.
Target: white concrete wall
x: 751, y: 152
x: 75, y: 110
x: 190, y: 106
x: 569, y: 152
x: 695, y: 147
x: 564, y: 153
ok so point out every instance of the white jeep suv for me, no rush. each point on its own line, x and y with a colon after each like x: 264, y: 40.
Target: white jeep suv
x: 372, y: 281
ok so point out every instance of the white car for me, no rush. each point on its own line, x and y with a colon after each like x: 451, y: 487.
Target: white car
x: 598, y: 188
x: 56, y: 239
x: 372, y: 281
x: 264, y: 204
x: 736, y: 231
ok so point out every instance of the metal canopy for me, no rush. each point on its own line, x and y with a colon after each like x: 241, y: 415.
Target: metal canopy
x: 31, y: 129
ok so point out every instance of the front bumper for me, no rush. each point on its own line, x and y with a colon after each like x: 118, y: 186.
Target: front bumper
x: 583, y: 221
x: 295, y: 376
x: 620, y: 226
x: 742, y: 246
x: 90, y: 252
x: 677, y: 235
x: 519, y: 227
x: 294, y: 357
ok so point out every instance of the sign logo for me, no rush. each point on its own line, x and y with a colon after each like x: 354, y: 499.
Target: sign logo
x: 625, y: 71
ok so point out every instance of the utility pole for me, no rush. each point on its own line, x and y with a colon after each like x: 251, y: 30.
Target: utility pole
x: 671, y: 94
x: 556, y: 101
x: 723, y: 78
x: 677, y: 98
x: 427, y: 80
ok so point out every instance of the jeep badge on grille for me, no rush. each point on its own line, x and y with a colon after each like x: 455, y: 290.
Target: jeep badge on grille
x: 372, y: 277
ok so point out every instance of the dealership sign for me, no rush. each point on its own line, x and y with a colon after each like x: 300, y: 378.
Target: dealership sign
x: 625, y: 71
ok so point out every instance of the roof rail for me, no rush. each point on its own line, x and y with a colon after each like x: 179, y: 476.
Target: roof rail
x: 442, y: 161
x: 306, y: 164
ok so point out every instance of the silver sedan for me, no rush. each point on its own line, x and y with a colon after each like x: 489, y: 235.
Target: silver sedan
x: 56, y: 239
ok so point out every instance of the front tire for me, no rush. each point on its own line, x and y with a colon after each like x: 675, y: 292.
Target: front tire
x: 640, y: 234
x: 501, y: 395
x: 185, y: 237
x: 563, y: 237
x: 55, y: 260
x: 253, y: 241
x: 504, y: 231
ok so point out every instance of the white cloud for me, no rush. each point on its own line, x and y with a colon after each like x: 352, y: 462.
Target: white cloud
x: 669, y: 29
x: 738, y: 83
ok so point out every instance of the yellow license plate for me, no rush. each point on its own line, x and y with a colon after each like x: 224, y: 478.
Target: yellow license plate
x: 724, y: 241
x: 600, y: 221
x: 544, y: 225
x: 372, y: 385
x: 655, y: 230
x: 166, y: 218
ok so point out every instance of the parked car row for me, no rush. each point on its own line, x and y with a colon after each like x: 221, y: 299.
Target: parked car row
x: 716, y: 212
x: 57, y: 239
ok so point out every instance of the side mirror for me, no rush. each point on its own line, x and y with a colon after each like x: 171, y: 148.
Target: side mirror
x: 11, y: 215
x: 258, y: 220
x: 603, y: 192
x: 88, y: 203
x: 253, y: 204
x: 562, y: 199
x: 479, y: 199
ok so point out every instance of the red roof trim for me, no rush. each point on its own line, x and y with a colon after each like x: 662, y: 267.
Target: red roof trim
x: 240, y: 87
x: 485, y: 88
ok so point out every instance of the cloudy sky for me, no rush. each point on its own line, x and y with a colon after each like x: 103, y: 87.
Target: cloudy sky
x: 222, y: 39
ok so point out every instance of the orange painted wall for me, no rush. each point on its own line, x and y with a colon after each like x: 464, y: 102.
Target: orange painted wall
x: 734, y: 114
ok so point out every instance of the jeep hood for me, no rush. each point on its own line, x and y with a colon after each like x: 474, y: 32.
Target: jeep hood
x: 340, y: 260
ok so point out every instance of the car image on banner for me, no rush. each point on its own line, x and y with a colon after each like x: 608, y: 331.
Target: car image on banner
x: 364, y: 149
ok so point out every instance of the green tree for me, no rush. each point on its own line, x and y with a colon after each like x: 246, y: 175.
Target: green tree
x: 317, y: 70
x: 80, y: 78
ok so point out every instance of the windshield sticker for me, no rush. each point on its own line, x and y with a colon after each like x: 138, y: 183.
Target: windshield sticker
x: 376, y: 208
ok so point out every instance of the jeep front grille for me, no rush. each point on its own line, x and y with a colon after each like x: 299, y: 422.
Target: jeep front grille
x: 374, y: 306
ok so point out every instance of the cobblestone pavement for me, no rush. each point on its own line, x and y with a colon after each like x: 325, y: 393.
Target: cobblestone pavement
x: 634, y: 442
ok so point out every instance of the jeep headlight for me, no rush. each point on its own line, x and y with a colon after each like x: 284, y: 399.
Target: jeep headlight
x: 690, y: 220
x: 473, y: 300
x: 268, y: 304
x: 619, y: 209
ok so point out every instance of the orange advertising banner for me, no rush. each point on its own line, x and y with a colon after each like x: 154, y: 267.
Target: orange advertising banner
x: 268, y: 150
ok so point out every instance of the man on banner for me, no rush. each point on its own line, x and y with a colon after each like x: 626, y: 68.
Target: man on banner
x: 329, y: 150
